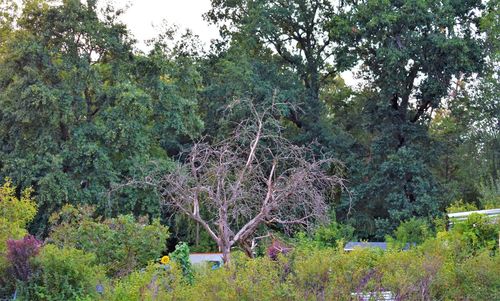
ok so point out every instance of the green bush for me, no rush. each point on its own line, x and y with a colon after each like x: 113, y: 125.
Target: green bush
x: 155, y: 282
x: 63, y: 274
x: 461, y: 206
x: 432, y: 271
x: 15, y: 214
x: 245, y: 279
x: 459, y: 264
x: 354, y: 271
x: 410, y: 232
x: 409, y: 275
x: 331, y: 235
x: 312, y: 274
x: 121, y: 244
x: 478, y: 232
x: 181, y: 256
x: 478, y: 278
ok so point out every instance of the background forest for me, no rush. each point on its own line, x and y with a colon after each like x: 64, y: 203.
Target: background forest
x: 82, y: 110
x: 86, y: 118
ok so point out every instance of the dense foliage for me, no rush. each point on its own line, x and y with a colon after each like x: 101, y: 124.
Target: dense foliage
x: 461, y: 263
x: 88, y: 122
x: 81, y: 111
x: 121, y: 244
x: 62, y: 274
x: 15, y: 213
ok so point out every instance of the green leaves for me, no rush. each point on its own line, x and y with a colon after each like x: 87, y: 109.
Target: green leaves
x: 62, y: 274
x: 80, y: 111
x: 121, y: 244
x: 15, y: 213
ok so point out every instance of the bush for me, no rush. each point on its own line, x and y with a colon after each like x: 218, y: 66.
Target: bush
x: 155, y: 282
x: 312, y: 274
x: 330, y: 235
x: 62, y: 274
x: 478, y: 232
x: 19, y: 254
x: 355, y: 271
x: 181, y: 256
x: 409, y: 275
x: 461, y: 206
x: 121, y: 244
x: 410, y: 232
x: 478, y: 278
x: 432, y: 271
x: 245, y: 279
x: 15, y: 213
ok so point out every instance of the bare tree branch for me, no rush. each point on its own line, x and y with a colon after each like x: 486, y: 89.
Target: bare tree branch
x: 255, y: 178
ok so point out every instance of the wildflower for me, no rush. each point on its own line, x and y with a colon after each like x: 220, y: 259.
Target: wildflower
x: 165, y: 260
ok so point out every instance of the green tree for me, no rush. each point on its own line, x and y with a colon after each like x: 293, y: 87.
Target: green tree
x: 80, y: 111
x: 412, y: 53
x: 304, y: 35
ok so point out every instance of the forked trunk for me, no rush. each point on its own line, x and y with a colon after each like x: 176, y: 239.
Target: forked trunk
x: 226, y: 253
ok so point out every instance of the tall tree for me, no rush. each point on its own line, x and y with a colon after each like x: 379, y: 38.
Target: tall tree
x: 413, y: 53
x: 303, y: 33
x: 77, y: 115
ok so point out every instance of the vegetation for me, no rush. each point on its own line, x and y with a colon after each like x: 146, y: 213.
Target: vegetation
x: 121, y: 244
x: 112, y: 157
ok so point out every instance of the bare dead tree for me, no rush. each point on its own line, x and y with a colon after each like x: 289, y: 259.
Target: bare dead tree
x: 254, y: 178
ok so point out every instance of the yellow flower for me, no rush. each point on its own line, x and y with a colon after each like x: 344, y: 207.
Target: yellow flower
x: 165, y: 260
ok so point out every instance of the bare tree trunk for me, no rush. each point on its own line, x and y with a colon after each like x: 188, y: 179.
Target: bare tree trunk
x: 226, y: 252
x: 247, y: 247
x: 197, y: 238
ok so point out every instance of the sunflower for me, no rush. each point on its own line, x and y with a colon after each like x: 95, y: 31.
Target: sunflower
x: 165, y: 260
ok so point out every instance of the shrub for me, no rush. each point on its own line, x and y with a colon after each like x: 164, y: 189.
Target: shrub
x: 355, y: 271
x: 330, y: 235
x: 62, y: 274
x: 478, y: 278
x: 214, y: 285
x: 478, y: 232
x: 409, y: 275
x: 155, y: 282
x: 181, y: 256
x: 410, y: 232
x: 19, y: 254
x: 121, y: 244
x: 312, y: 274
x: 15, y: 213
x: 460, y: 206
x: 328, y: 273
x: 244, y: 279
x: 431, y: 271
x: 260, y: 278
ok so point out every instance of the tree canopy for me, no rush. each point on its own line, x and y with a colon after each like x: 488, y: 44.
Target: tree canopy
x: 83, y: 110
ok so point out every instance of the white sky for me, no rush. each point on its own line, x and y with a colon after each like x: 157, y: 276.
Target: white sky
x: 143, y: 15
